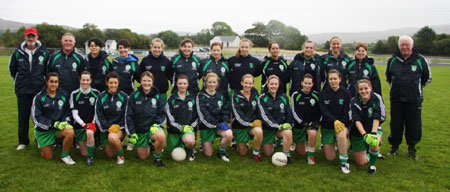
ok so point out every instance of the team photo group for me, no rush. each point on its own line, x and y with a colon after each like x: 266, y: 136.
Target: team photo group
x: 91, y: 102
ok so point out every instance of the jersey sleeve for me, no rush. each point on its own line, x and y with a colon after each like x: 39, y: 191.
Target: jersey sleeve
x: 328, y: 117
x: 38, y: 116
x: 265, y: 115
x: 99, y: 116
x: 171, y: 120
x: 225, y: 112
x: 202, y: 111
x: 13, y: 65
x: 237, y: 112
x: 296, y: 115
x: 129, y: 114
x: 161, y: 117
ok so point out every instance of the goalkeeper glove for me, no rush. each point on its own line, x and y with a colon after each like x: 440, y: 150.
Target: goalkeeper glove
x: 187, y: 129
x: 339, y: 126
x: 154, y: 128
x: 90, y: 126
x: 371, y: 139
x: 114, y: 128
x: 256, y: 123
x: 58, y: 125
x: 285, y: 126
x: 133, y: 138
x: 223, y: 127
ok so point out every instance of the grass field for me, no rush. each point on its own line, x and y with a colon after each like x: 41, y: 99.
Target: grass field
x: 27, y: 171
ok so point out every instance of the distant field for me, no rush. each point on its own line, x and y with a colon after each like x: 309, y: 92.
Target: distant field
x: 27, y: 171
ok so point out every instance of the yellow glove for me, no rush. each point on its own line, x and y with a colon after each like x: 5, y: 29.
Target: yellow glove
x: 187, y: 129
x: 154, y: 128
x: 256, y: 123
x: 114, y: 128
x: 68, y: 126
x: 285, y: 126
x: 339, y: 126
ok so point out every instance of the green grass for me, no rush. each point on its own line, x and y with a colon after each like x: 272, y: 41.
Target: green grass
x: 27, y: 171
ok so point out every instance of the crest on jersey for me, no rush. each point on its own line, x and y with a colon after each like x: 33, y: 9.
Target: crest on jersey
x: 119, y: 104
x: 370, y: 110
x: 60, y: 103
x: 413, y: 68
x: 281, y: 106
x: 341, y: 101
x: 127, y: 67
x: 190, y: 105
x: 281, y: 67
x: 222, y: 69
x: 344, y: 63
x: 104, y: 69
x: 74, y: 66
x: 219, y: 103
x: 153, y: 102
x: 254, y: 103
x: 313, y: 66
x: 41, y: 59
x: 365, y: 72
x: 163, y: 68
x: 194, y: 65
x: 92, y: 100
x: 251, y: 65
x: 312, y: 101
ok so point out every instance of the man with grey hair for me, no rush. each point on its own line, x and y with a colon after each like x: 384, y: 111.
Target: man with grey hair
x: 68, y: 64
x: 407, y: 73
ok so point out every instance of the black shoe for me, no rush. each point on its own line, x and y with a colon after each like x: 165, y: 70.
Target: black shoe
x: 90, y: 161
x: 56, y: 146
x: 412, y: 154
x: 233, y: 147
x: 372, y: 170
x: 223, y: 156
x: 394, y: 151
x: 191, y: 157
x: 158, y: 162
x: 289, y: 160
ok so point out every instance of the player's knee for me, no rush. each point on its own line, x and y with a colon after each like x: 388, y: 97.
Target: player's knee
x: 69, y: 133
x: 360, y: 161
x: 258, y: 131
x: 242, y: 151
x: 89, y: 134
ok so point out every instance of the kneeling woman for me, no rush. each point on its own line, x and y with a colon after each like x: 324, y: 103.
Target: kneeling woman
x: 182, y: 118
x: 245, y: 120
x: 277, y: 117
x: 109, y: 115
x: 82, y: 104
x: 212, y: 109
x: 50, y: 114
x: 306, y: 112
x: 145, y: 118
x: 367, y: 114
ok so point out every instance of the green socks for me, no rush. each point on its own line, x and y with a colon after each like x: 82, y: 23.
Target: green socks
x: 157, y: 155
x: 288, y: 154
x: 310, y: 151
x: 221, y: 150
x: 343, y: 158
x: 119, y: 153
x: 90, y: 150
x: 255, y: 151
x: 373, y: 157
x: 64, y: 154
x: 189, y: 150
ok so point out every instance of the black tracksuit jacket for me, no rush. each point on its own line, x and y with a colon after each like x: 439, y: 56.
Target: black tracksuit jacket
x: 241, y: 66
x: 159, y: 67
x: 110, y: 109
x: 181, y: 112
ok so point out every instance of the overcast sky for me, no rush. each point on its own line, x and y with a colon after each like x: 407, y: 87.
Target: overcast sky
x: 310, y: 17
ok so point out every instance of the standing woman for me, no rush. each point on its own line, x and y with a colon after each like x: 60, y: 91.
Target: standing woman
x: 217, y: 64
x: 334, y: 59
x: 306, y: 62
x: 274, y: 65
x: 158, y: 64
x: 145, y: 118
x: 109, y: 117
x: 277, y: 117
x: 306, y: 112
x: 182, y: 118
x: 362, y: 67
x: 185, y: 63
x: 242, y: 63
x: 212, y: 109
x: 126, y: 66
x: 367, y: 114
x: 245, y: 117
x: 335, y: 107
x: 50, y: 114
x: 98, y: 64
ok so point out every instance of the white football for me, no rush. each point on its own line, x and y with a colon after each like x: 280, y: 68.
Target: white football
x: 279, y: 159
x: 178, y: 154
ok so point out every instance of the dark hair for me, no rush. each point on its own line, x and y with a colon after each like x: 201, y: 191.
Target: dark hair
x: 52, y: 74
x: 216, y: 44
x: 272, y: 43
x: 96, y: 41
x: 187, y: 40
x: 307, y: 76
x: 182, y: 76
x: 112, y: 74
x: 360, y: 44
x: 148, y: 74
x: 334, y: 71
x: 86, y: 73
x: 125, y: 43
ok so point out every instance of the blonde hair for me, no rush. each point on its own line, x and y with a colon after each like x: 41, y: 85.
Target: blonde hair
x: 273, y: 77
x: 158, y: 40
x: 308, y: 41
x: 244, y: 40
x: 212, y: 74
x: 360, y: 44
x: 335, y: 37
x: 248, y: 75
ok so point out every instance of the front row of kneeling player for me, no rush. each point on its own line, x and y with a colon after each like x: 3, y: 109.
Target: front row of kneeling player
x: 264, y: 117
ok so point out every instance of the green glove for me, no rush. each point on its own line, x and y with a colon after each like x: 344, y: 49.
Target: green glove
x: 187, y: 129
x: 133, y: 138
x: 154, y: 128
x: 371, y: 139
x: 67, y: 126
x: 285, y: 126
x: 59, y: 125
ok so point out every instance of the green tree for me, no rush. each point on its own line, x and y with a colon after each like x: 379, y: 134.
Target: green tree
x: 257, y: 34
x: 220, y: 28
x: 380, y: 47
x: 7, y: 39
x: 19, y: 36
x: 424, y: 40
x: 392, y: 44
x: 88, y: 31
x: 203, y: 37
x: 441, y: 46
x: 143, y: 41
x: 50, y: 35
x: 294, y: 38
x: 274, y: 28
x: 170, y: 38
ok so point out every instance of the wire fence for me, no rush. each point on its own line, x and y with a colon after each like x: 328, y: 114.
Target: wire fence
x: 288, y: 55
